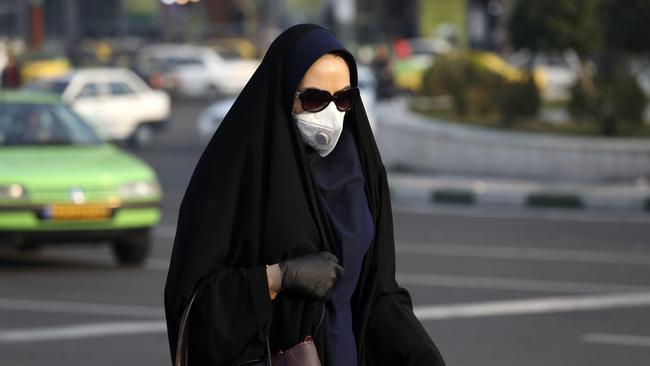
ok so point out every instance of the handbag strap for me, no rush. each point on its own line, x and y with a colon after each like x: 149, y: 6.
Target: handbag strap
x: 181, y: 344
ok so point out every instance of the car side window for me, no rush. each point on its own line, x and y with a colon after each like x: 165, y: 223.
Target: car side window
x: 120, y: 88
x: 187, y: 61
x: 88, y: 91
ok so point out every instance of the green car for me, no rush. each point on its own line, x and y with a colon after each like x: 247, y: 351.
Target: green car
x: 59, y: 182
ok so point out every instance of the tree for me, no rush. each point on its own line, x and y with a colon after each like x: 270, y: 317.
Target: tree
x: 611, y: 30
x: 626, y: 34
x: 555, y: 25
x: 625, y: 25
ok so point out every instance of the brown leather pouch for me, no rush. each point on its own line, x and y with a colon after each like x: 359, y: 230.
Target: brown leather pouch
x: 303, y: 354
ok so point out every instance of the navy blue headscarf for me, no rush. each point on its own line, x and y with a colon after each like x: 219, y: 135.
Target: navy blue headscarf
x: 311, y: 46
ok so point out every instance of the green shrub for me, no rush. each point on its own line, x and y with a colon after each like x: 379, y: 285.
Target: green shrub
x: 461, y: 77
x: 581, y: 104
x: 627, y: 97
x: 617, y: 99
x: 482, y: 83
x: 519, y: 99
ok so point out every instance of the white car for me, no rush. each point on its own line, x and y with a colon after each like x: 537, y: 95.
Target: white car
x: 211, y: 117
x: 196, y: 71
x: 115, y: 101
x: 368, y: 90
x: 559, y: 71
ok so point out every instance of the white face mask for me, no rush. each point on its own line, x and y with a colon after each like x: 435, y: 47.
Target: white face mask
x: 321, y: 130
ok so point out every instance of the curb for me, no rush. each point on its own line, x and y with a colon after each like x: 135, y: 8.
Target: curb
x: 555, y: 200
x: 429, y: 144
x: 476, y: 191
x: 455, y: 196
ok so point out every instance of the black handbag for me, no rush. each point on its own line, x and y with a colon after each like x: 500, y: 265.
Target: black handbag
x: 303, y: 353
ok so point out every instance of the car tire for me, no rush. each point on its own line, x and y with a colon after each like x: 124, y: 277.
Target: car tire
x: 143, y: 136
x: 133, y: 248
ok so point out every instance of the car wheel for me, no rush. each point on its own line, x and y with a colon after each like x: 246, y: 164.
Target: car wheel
x: 133, y: 248
x: 143, y: 136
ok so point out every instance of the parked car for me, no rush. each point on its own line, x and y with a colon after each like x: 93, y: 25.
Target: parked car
x: 115, y: 101
x: 242, y: 46
x: 59, y: 182
x: 210, y: 118
x: 556, y: 72
x: 43, y: 65
x: 368, y: 90
x: 195, y: 71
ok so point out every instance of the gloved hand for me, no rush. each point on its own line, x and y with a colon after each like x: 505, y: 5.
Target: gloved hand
x: 314, y: 274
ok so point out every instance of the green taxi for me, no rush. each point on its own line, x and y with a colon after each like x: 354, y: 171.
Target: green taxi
x: 60, y: 183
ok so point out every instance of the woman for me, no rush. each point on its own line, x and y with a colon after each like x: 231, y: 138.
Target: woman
x: 286, y: 225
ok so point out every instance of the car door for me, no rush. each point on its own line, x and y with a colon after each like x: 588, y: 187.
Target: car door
x: 87, y: 99
x: 123, y: 106
x: 192, y: 74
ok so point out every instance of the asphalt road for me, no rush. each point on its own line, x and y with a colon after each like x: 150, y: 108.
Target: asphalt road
x: 492, y: 287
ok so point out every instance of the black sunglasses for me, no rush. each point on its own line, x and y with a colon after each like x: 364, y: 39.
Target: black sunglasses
x: 315, y: 100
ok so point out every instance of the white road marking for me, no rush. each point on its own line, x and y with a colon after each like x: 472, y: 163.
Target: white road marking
x: 86, y: 259
x: 539, y: 254
x: 424, y: 313
x: 532, y: 306
x: 80, y: 308
x: 498, y: 283
x: 616, y: 339
x: 81, y: 331
x: 612, y: 216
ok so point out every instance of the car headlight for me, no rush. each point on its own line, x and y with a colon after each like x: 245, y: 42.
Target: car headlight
x: 139, y: 189
x: 12, y: 191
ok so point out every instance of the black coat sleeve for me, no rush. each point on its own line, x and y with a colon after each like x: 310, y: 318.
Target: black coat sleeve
x: 216, y: 251
x: 395, y: 336
x: 229, y: 317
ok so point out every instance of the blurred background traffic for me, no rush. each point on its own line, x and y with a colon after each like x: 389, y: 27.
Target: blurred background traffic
x: 516, y: 134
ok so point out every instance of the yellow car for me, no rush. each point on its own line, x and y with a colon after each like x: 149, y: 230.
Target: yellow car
x: 409, y: 72
x: 43, y: 67
x: 242, y: 47
x: 498, y: 65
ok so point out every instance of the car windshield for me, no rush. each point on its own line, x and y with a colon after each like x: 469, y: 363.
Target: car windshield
x: 43, y: 124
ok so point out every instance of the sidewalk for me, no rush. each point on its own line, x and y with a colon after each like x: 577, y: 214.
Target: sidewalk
x: 462, y: 190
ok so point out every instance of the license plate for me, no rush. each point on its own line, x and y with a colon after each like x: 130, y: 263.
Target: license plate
x: 78, y: 212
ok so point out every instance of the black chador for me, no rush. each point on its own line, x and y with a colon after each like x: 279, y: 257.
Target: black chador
x: 253, y: 200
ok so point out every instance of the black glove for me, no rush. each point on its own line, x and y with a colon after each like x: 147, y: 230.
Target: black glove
x: 314, y: 274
